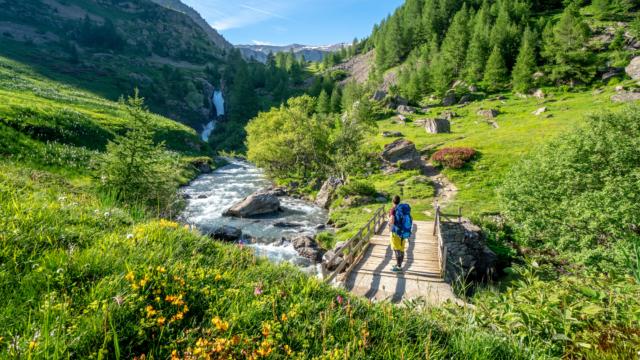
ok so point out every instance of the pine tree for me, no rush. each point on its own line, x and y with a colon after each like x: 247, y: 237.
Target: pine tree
x: 134, y: 169
x: 336, y: 100
x: 323, y: 104
x: 525, y: 64
x: 393, y: 43
x: 565, y: 49
x: 478, y: 47
x: 454, y: 46
x: 505, y: 35
x: 496, y: 73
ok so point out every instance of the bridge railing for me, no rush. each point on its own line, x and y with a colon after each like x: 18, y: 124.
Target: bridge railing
x: 437, y: 232
x: 354, y: 248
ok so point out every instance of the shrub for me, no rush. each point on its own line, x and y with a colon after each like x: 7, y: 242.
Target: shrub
x: 579, y: 194
x: 357, y: 187
x: 453, y: 158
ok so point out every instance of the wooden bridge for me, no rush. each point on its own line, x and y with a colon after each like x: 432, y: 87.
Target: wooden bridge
x: 367, y: 258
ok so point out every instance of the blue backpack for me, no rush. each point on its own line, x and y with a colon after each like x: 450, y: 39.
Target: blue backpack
x: 403, y: 223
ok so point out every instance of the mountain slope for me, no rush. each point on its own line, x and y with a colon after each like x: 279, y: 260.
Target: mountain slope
x: 179, y: 6
x: 110, y: 47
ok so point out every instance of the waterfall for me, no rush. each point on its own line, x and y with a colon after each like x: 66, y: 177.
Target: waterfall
x: 218, y: 101
x: 217, y: 98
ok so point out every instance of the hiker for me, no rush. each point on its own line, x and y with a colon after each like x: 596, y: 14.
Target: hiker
x: 401, y: 225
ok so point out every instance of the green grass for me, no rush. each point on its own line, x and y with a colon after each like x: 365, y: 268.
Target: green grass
x: 519, y: 133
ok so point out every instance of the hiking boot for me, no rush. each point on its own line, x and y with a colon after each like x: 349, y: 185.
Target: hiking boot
x: 396, y: 269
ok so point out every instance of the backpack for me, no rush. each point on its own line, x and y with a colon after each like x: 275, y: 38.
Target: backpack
x: 403, y: 223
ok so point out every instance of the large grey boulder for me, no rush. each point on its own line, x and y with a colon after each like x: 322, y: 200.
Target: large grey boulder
x: 539, y: 94
x: 259, y: 203
x: 402, y: 153
x: 633, y: 70
x: 438, y: 126
x: 327, y: 191
x: 540, y: 111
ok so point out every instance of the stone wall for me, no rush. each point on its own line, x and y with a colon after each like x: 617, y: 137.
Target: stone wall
x: 468, y: 256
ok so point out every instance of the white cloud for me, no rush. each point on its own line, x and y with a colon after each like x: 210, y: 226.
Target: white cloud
x: 232, y: 14
x: 262, y: 43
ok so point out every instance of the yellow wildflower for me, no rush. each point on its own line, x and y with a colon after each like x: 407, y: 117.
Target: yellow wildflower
x: 288, y: 350
x: 220, y: 325
x: 161, y: 321
x: 218, y: 277
x: 174, y: 355
x: 161, y: 269
x: 283, y: 317
x: 33, y: 344
x: 150, y: 311
x: 266, y: 329
x: 168, y: 224
x: 130, y: 276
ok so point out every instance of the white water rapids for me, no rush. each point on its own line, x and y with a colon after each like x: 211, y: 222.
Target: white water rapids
x: 211, y: 194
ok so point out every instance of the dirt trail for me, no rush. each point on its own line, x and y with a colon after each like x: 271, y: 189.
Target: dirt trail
x: 445, y: 189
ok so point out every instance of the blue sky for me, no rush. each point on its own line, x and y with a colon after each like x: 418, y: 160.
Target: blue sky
x: 283, y: 22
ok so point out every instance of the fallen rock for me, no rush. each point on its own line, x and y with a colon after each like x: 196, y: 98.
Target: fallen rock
x: 259, y: 203
x: 540, y: 111
x: 402, y: 153
x: 438, y: 126
x: 405, y: 109
x: 306, y: 247
x: 392, y: 134
x: 227, y: 233
x: 633, y: 69
x: 539, y: 94
x: 331, y: 261
x: 489, y: 114
x: 448, y: 114
x: 626, y: 97
x: 619, y: 88
x: 327, y: 191
x: 449, y: 99
x: 473, y: 88
x: 538, y: 75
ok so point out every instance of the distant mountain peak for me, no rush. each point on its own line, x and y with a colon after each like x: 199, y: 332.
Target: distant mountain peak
x: 259, y: 52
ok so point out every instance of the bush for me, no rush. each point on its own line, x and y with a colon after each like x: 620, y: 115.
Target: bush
x: 357, y: 187
x: 579, y: 194
x: 453, y: 158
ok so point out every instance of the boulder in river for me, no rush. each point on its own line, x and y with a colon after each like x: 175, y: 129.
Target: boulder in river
x: 259, y: 203
x: 307, y: 247
x: 227, y: 233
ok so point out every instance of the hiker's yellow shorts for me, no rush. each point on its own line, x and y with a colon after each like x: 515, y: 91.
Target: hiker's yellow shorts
x: 397, y: 243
